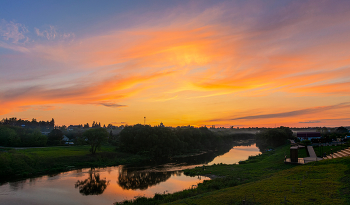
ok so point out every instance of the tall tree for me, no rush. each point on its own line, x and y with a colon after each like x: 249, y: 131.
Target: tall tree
x: 95, y: 137
x: 55, y: 137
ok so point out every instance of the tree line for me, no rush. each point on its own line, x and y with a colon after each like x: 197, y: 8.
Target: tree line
x: 14, y: 136
x: 33, y: 124
x: 273, y: 137
x: 164, y: 142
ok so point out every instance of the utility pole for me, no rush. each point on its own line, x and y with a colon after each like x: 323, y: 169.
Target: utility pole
x: 144, y: 120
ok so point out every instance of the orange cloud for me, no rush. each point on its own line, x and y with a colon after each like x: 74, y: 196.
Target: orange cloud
x: 194, y: 60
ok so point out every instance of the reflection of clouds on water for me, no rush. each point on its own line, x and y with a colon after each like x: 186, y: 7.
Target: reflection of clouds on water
x: 247, y: 148
x: 22, y: 183
x: 78, y: 173
x: 17, y: 185
x: 54, y: 176
x: 236, y: 154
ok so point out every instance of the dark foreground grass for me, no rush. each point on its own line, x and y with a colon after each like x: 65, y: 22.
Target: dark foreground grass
x: 265, y: 179
x: 15, y: 164
x: 320, y: 150
x: 324, y: 182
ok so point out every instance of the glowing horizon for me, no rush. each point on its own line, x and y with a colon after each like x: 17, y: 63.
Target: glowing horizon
x: 240, y: 63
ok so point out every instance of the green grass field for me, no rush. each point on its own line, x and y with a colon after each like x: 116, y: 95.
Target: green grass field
x: 63, y: 151
x: 327, y: 149
x: 317, y: 183
x: 37, y: 161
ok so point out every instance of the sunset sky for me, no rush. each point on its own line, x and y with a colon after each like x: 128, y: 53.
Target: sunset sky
x: 223, y: 63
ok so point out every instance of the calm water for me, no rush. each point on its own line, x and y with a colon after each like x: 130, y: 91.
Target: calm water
x: 112, y: 184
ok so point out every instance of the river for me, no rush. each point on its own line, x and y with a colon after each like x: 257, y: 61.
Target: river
x: 115, y: 184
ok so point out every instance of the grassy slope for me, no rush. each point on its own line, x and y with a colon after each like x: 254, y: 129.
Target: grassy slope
x: 36, y: 161
x: 316, y: 183
x: 327, y: 149
x: 265, y: 179
x: 324, y: 182
x: 255, y: 168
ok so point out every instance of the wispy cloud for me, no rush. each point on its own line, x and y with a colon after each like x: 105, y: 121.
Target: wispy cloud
x: 190, y: 55
x: 111, y: 104
x: 14, y: 47
x: 12, y: 31
x: 293, y: 113
x: 312, y: 121
x: 51, y: 33
x: 40, y: 107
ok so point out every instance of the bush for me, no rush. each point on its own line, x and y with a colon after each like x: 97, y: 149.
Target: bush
x: 274, y: 137
x: 306, y: 142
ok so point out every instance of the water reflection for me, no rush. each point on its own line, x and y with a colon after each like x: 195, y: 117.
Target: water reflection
x: 17, y: 185
x: 111, y: 184
x: 93, y: 185
x: 143, y: 177
x: 143, y: 180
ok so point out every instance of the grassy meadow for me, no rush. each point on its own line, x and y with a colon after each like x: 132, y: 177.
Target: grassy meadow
x: 17, y: 163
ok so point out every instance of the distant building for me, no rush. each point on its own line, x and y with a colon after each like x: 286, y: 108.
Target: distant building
x: 161, y: 124
x: 308, y: 135
x: 74, y: 127
x: 65, y: 138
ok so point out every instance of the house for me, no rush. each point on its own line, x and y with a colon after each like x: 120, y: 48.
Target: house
x: 308, y: 135
x: 65, y: 138
x: 74, y: 127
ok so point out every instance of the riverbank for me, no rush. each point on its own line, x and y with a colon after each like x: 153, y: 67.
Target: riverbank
x: 325, y: 182
x: 265, y: 179
x: 16, y: 164
x: 255, y: 168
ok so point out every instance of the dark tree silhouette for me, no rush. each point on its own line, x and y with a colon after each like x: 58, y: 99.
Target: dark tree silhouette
x: 142, y: 180
x: 341, y: 130
x: 95, y: 137
x: 93, y: 185
x: 273, y: 137
x: 55, y: 137
x: 33, y: 124
x: 163, y: 142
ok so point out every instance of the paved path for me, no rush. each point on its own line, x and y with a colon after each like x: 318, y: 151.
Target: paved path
x: 313, y: 157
